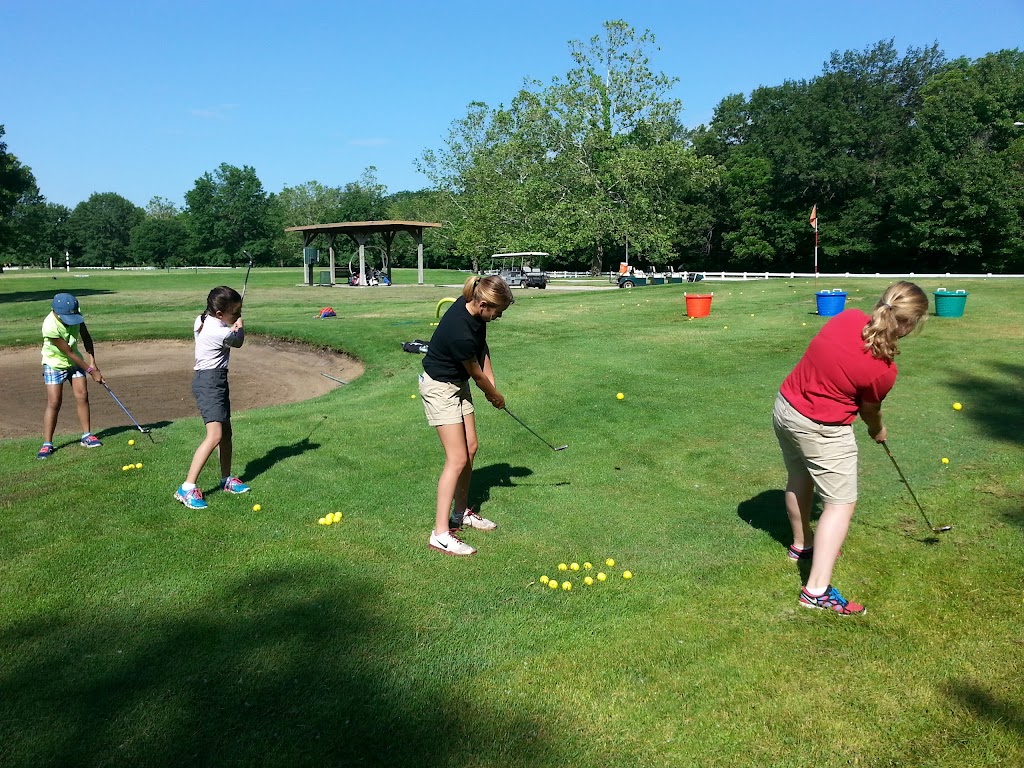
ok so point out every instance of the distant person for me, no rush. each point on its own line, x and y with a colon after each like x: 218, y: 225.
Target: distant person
x: 458, y: 352
x: 63, y: 328
x: 847, y: 370
x: 216, y: 331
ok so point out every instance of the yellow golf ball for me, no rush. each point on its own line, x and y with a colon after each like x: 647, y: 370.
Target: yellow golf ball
x: 620, y: 396
x: 587, y: 566
x: 412, y: 397
x: 574, y: 566
x: 256, y: 507
x: 602, y: 576
x: 553, y: 583
x: 957, y: 406
x: 139, y: 465
x: 337, y: 517
x: 126, y: 467
x: 563, y: 567
x: 567, y: 586
x: 945, y: 461
x: 131, y: 442
x: 627, y: 574
x: 588, y: 581
x: 609, y: 562
x: 544, y: 579
x: 322, y: 521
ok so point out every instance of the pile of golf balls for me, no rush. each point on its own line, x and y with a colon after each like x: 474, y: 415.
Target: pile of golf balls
x: 569, y: 570
x: 330, y: 518
x: 126, y: 467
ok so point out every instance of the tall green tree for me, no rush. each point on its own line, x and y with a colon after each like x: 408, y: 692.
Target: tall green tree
x: 228, y: 212
x: 101, y: 229
x: 161, y: 241
x: 16, y: 181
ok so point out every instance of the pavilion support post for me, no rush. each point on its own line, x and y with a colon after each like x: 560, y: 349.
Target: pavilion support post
x: 330, y: 248
x: 360, y: 238
x: 419, y: 256
x: 389, y: 238
x: 308, y: 268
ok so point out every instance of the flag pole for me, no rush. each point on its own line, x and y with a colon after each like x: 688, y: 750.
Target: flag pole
x: 814, y: 223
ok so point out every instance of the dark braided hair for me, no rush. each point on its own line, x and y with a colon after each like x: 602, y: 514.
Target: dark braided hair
x: 220, y: 299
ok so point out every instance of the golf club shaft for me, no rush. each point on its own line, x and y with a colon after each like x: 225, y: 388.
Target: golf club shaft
x: 549, y: 445
x: 906, y: 483
x: 332, y: 378
x: 247, y: 271
x: 139, y: 426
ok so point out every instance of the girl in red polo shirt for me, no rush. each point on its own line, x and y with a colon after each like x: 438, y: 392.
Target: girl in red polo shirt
x: 847, y: 370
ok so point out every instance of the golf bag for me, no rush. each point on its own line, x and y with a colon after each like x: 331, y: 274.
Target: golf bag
x: 416, y: 346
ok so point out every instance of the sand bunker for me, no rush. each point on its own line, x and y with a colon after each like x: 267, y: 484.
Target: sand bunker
x: 154, y: 381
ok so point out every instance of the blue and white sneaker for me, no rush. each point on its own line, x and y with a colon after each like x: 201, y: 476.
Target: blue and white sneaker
x: 192, y: 499
x: 233, y: 485
x: 90, y: 441
x: 46, y: 451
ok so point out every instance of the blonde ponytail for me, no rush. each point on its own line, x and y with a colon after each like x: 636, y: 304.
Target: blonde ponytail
x: 901, y: 309
x: 491, y: 289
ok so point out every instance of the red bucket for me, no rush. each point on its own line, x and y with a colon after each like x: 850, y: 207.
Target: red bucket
x: 698, y: 304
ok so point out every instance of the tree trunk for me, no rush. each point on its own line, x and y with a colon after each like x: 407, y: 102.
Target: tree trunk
x: 597, y: 263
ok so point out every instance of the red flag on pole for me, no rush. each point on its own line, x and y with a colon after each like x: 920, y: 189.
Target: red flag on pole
x: 814, y: 217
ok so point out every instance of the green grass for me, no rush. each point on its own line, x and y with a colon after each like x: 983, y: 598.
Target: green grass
x: 135, y: 633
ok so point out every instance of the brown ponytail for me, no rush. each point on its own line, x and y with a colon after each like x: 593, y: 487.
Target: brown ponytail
x: 901, y: 309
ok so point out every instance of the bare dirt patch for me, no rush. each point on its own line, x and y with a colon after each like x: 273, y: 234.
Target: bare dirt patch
x: 154, y: 381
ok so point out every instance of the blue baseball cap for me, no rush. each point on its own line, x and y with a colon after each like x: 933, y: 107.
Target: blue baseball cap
x: 65, y: 306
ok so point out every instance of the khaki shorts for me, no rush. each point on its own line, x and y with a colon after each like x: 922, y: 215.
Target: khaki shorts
x: 445, y: 402
x: 828, y: 453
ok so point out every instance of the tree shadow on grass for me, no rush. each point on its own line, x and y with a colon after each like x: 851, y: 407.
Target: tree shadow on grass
x: 994, y: 404
x: 493, y: 475
x: 290, y: 667
x: 1007, y: 712
x: 47, y: 296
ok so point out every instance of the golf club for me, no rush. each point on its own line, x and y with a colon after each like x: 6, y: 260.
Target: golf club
x: 549, y: 445
x: 249, y: 255
x: 333, y: 379
x: 141, y: 429
x: 938, y: 529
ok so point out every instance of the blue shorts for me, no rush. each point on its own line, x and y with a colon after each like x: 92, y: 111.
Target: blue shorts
x: 60, y: 375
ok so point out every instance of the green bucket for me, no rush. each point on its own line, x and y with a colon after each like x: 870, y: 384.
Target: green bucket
x: 950, y: 303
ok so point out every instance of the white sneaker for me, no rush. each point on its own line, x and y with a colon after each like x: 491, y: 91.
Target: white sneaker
x: 473, y: 520
x: 450, y: 544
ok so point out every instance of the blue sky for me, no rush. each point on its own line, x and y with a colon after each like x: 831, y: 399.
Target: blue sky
x: 141, y: 98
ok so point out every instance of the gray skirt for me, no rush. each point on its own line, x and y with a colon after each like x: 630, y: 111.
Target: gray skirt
x: 210, y: 389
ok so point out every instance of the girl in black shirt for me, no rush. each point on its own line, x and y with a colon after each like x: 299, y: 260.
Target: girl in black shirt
x: 457, y: 353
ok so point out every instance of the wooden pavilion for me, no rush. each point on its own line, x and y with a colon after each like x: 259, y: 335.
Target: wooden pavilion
x: 359, y: 232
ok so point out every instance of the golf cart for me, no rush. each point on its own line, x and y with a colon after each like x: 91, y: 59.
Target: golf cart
x: 514, y: 269
x: 629, y: 276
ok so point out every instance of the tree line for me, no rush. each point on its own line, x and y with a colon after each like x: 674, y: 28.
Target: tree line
x: 914, y: 162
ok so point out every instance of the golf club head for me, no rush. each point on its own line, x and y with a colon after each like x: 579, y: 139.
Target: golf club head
x: 561, y: 447
x: 942, y: 528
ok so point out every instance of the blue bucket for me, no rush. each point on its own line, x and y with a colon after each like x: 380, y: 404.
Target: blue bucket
x: 831, y: 302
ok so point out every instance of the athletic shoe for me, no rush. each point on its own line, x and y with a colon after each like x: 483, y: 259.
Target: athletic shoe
x: 90, y: 441
x: 473, y: 520
x: 450, y: 544
x: 831, y: 601
x: 795, y: 553
x: 233, y: 485
x: 46, y: 451
x: 192, y: 499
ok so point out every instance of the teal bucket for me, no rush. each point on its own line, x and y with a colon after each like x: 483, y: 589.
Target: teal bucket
x: 950, y: 303
x: 831, y: 302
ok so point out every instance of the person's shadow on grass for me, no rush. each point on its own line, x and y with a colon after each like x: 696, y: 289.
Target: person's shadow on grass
x: 485, y: 478
x: 257, y: 467
x: 767, y: 511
